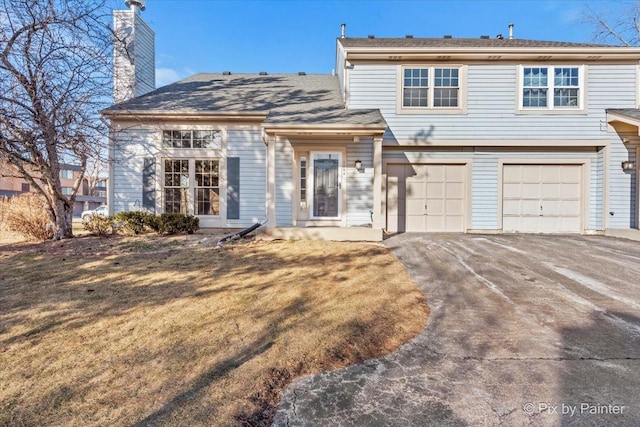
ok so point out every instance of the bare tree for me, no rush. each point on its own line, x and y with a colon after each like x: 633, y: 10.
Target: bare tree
x: 616, y: 22
x: 55, y: 75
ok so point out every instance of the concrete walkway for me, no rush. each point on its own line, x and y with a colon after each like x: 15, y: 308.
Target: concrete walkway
x: 524, y: 330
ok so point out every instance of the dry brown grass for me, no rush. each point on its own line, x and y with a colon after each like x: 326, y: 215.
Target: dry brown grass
x: 171, y: 331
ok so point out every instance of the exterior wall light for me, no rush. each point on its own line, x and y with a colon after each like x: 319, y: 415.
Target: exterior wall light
x: 358, y: 164
x: 628, y: 165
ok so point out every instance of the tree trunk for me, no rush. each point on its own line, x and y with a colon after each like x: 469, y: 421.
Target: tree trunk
x: 63, y: 221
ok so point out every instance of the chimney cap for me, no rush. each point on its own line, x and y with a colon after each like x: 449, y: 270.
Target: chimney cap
x: 371, y: 36
x: 447, y: 36
x: 136, y: 3
x: 302, y: 73
x: 408, y: 36
x: 226, y: 73
x: 262, y: 73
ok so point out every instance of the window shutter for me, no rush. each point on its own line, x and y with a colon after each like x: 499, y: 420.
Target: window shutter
x: 149, y: 184
x: 233, y: 187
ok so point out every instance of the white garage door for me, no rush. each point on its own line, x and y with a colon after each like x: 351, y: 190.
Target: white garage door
x: 542, y: 198
x: 425, y: 198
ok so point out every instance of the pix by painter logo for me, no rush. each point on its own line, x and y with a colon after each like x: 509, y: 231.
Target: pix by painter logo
x: 570, y: 410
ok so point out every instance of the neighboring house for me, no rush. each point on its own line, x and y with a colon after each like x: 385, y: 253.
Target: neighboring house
x: 412, y: 134
x: 91, y: 193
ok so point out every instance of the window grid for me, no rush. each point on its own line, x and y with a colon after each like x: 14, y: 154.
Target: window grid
x: 207, y: 187
x: 303, y: 179
x: 537, y: 86
x: 446, y: 87
x: 66, y: 174
x: 566, y: 91
x: 191, y: 138
x: 415, y: 87
x: 176, y: 185
x: 431, y: 87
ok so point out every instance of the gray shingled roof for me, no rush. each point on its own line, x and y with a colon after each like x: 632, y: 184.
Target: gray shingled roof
x: 288, y: 99
x: 455, y: 43
x: 632, y: 113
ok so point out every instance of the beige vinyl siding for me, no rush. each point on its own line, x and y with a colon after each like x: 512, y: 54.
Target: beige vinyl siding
x: 359, y: 184
x: 491, y: 105
x: 249, y: 147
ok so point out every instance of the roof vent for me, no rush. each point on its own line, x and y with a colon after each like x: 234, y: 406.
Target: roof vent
x: 226, y: 73
x: 500, y: 37
x: 263, y: 73
x: 484, y: 37
x: 510, y: 31
x: 302, y: 73
x: 408, y: 36
x: 371, y: 36
x: 447, y: 36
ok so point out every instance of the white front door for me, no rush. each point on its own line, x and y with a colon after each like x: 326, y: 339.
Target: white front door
x: 326, y: 185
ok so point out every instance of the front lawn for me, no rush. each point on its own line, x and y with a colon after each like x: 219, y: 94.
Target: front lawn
x: 172, y: 331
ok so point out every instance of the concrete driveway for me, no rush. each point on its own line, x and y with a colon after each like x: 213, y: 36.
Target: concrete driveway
x: 524, y: 330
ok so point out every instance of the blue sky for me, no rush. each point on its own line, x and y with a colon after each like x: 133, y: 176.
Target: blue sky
x: 289, y: 36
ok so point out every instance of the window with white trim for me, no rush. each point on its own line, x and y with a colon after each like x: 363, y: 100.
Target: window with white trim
x: 552, y: 87
x: 66, y: 174
x: 191, y: 186
x: 207, y: 187
x: 176, y: 185
x: 191, y: 138
x: 431, y: 88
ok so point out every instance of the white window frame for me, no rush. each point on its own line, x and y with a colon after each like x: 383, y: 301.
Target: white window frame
x: 461, y: 108
x: 216, y: 140
x: 191, y: 187
x: 551, y: 108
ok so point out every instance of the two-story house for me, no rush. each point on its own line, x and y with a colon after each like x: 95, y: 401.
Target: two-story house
x: 410, y: 134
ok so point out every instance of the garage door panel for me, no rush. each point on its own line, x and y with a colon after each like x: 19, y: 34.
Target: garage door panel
x: 569, y: 208
x: 440, y: 188
x: 436, y: 190
x: 511, y: 191
x: 530, y: 191
x: 455, y: 190
x: 570, y: 174
x: 569, y: 191
x: 454, y: 174
x: 436, y: 207
x: 435, y: 173
x: 530, y: 174
x: 546, y: 199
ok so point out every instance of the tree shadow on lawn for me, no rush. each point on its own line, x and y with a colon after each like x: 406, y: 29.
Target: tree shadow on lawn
x: 90, y: 287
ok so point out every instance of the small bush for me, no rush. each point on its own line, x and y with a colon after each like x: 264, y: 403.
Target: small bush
x: 99, y: 225
x: 137, y: 222
x: 172, y: 223
x: 26, y: 215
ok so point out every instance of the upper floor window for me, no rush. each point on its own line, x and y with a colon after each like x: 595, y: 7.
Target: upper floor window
x: 66, y: 174
x: 431, y: 88
x: 67, y: 191
x: 552, y: 87
x: 191, y: 138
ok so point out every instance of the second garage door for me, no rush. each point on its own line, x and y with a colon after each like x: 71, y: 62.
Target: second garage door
x: 542, y: 198
x: 425, y: 198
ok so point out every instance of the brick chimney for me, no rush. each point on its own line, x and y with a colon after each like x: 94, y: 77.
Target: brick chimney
x: 134, y: 59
